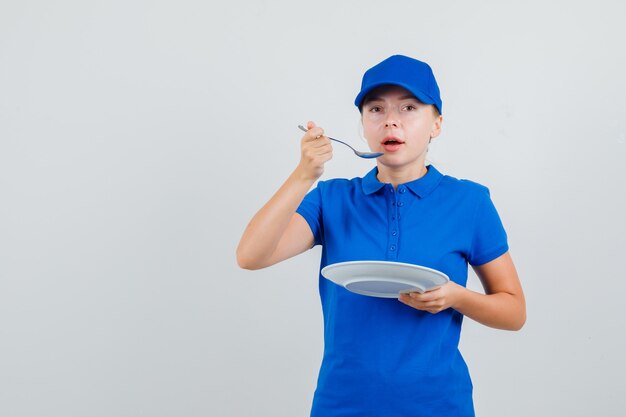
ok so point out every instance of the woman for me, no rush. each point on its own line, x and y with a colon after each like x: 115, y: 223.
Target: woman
x: 385, y: 356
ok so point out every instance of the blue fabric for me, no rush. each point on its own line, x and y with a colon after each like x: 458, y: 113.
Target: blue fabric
x: 381, y: 357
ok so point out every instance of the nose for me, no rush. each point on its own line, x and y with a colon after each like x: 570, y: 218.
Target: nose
x: 391, y: 120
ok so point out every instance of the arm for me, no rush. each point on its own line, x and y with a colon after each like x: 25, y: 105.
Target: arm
x: 502, y: 306
x: 277, y: 232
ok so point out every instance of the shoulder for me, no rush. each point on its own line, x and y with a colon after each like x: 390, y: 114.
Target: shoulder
x: 463, y: 186
x: 462, y: 193
x: 339, y: 184
x: 339, y: 190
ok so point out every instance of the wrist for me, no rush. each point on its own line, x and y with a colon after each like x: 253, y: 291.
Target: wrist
x: 303, y: 175
x: 459, y: 294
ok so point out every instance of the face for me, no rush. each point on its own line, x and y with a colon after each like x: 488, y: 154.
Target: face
x: 400, y: 126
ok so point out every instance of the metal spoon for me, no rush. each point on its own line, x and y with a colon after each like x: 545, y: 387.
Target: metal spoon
x: 366, y: 155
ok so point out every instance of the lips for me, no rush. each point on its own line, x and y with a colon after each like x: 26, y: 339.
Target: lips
x: 392, y: 143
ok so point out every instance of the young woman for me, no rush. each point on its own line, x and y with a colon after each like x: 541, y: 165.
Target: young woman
x: 388, y: 357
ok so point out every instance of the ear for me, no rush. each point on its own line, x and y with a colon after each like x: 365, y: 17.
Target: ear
x: 436, y: 129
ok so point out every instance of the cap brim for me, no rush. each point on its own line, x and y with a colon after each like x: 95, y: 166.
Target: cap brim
x: 424, y: 98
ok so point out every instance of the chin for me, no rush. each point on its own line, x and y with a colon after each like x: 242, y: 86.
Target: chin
x: 392, y: 161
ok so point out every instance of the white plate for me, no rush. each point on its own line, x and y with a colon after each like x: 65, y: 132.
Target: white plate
x: 384, y: 279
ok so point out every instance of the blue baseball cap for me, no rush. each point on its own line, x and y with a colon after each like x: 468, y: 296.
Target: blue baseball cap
x: 408, y: 73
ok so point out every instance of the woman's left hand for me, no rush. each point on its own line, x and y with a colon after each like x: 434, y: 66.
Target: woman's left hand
x: 433, y: 301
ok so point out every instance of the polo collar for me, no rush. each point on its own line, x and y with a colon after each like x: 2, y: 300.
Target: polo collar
x: 421, y: 186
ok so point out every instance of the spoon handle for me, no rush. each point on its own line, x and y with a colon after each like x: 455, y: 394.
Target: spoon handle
x: 336, y: 140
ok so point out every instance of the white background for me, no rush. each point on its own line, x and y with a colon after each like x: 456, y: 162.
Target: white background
x: 138, y: 138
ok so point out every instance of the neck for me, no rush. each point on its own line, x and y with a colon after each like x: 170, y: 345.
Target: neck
x: 394, y: 177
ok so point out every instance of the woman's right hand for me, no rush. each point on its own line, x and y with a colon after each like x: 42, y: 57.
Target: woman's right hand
x: 277, y: 232
x: 316, y: 150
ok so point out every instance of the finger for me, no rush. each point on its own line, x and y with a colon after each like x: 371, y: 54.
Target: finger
x: 314, y: 148
x: 427, y: 296
x: 319, y: 158
x: 404, y: 299
x: 318, y: 154
x: 316, y: 133
x: 315, y: 145
x: 321, y: 142
x: 418, y: 297
x: 408, y: 299
x: 424, y: 304
x: 412, y: 300
x: 313, y: 135
x: 314, y: 130
x: 325, y: 156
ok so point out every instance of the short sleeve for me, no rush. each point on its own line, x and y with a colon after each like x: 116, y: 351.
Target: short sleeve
x: 311, y: 209
x: 489, y: 239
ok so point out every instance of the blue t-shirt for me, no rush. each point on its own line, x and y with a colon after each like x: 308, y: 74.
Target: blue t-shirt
x: 382, y: 357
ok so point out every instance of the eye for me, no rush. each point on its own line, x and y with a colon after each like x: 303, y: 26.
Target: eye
x: 375, y: 109
x: 410, y: 107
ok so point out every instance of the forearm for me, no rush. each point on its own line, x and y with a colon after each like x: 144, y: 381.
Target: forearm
x: 263, y: 233
x: 499, y: 310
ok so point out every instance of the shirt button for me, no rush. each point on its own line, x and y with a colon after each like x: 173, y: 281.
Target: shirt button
x: 400, y: 204
x: 402, y: 190
x: 395, y: 232
x: 393, y: 247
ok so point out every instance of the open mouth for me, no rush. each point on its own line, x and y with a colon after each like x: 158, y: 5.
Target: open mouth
x: 392, y: 143
x: 392, y: 140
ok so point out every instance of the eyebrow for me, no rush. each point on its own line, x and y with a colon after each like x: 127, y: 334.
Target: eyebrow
x: 376, y: 98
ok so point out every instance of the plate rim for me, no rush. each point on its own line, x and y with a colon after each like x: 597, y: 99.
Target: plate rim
x: 329, y: 267
x: 366, y: 262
